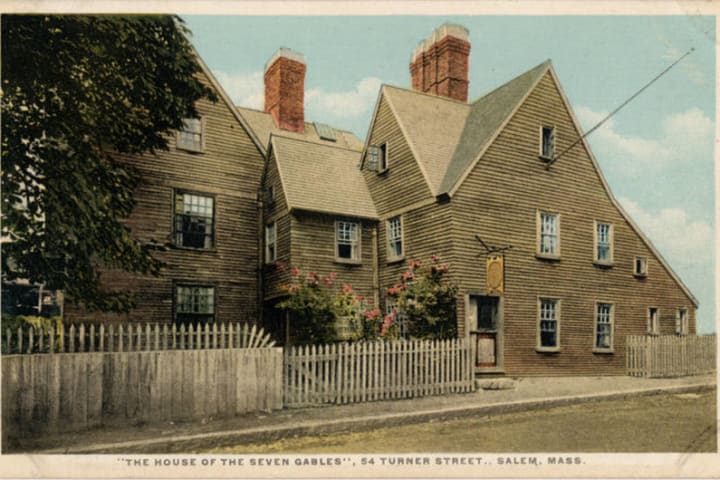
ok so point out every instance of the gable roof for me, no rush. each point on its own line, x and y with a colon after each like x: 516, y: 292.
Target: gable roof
x: 321, y: 177
x: 264, y: 126
x: 448, y: 136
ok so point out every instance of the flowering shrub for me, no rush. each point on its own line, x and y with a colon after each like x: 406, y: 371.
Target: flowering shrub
x: 316, y: 308
x: 427, y: 301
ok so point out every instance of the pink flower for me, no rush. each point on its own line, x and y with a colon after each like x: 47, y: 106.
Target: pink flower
x: 332, y: 276
x: 415, y: 264
x: 359, y: 298
x: 347, y: 288
x: 294, y: 271
x: 407, y: 275
x: 280, y: 266
x: 434, y: 258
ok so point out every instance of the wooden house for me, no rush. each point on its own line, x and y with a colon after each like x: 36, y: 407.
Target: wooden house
x: 317, y: 213
x: 198, y: 203
x: 572, y: 275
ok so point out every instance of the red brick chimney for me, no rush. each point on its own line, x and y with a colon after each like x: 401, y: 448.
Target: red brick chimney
x: 285, y: 89
x: 440, y: 63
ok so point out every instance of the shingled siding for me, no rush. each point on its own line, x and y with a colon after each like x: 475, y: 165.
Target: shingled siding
x: 277, y: 211
x: 313, y: 249
x: 403, y: 183
x: 499, y: 201
x: 229, y: 169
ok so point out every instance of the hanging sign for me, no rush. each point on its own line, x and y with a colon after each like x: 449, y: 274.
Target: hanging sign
x: 494, y: 274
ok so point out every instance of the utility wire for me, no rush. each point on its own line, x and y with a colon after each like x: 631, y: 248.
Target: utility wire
x: 599, y: 124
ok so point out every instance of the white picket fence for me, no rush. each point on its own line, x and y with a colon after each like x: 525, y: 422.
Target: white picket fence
x: 670, y: 355
x: 133, y: 338
x: 369, y: 371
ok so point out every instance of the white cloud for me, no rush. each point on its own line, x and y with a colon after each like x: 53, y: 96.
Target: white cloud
x: 684, y: 136
x: 351, y: 103
x: 245, y: 89
x: 680, y: 239
x: 691, y: 69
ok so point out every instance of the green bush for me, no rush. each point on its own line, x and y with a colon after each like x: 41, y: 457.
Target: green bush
x: 25, y: 323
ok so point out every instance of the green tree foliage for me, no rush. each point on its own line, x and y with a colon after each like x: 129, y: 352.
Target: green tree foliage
x: 426, y: 299
x: 312, y: 308
x: 78, y: 92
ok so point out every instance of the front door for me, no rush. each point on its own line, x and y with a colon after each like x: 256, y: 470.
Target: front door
x: 485, y: 325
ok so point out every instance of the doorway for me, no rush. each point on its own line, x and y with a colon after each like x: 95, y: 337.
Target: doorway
x: 485, y: 322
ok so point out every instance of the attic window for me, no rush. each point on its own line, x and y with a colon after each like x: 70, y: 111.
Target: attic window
x: 325, y: 132
x: 376, y: 157
x: 640, y: 267
x: 547, y: 151
x: 191, y: 136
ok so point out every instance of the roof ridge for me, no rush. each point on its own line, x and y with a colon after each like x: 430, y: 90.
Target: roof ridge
x: 313, y: 142
x: 487, y: 94
x: 431, y: 95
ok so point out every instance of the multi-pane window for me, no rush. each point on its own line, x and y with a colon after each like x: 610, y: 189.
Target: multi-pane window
x: 377, y: 158
x: 270, y: 242
x: 194, y: 304
x: 549, y: 234
x: 653, y: 321
x: 603, y: 326
x: 603, y: 242
x: 548, y: 142
x: 194, y: 225
x: 347, y: 240
x: 394, y: 238
x: 548, y: 323
x: 682, y: 326
x: 640, y: 267
x: 191, y: 135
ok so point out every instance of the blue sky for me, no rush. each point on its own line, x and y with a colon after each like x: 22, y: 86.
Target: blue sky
x: 657, y: 153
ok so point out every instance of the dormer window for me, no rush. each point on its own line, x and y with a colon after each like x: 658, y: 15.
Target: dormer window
x: 377, y: 159
x: 547, y: 149
x: 191, y: 136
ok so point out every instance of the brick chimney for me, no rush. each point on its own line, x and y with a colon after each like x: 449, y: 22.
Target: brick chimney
x: 440, y: 63
x: 285, y: 89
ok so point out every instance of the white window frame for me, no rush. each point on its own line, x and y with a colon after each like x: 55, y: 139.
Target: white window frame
x: 610, y: 321
x: 391, y: 256
x: 355, y: 243
x: 180, y: 139
x: 557, y: 309
x: 271, y: 240
x: 193, y: 210
x: 682, y: 322
x: 539, y: 232
x: 541, y: 149
x: 643, y: 272
x: 192, y: 291
x: 610, y: 243
x: 653, y: 325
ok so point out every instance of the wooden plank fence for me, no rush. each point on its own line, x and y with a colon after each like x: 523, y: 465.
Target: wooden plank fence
x: 670, y: 355
x: 133, y: 337
x: 369, y: 371
x: 73, y: 392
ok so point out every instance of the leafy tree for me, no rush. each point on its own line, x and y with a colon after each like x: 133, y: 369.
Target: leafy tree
x: 426, y: 299
x: 77, y: 93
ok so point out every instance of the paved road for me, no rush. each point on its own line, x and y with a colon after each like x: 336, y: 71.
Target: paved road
x: 661, y: 423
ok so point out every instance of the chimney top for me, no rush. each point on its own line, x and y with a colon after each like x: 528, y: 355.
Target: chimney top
x: 285, y: 53
x: 444, y: 30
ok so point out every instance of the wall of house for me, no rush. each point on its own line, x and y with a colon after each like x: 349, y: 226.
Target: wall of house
x: 499, y: 201
x: 274, y: 278
x: 230, y: 169
x: 403, y: 183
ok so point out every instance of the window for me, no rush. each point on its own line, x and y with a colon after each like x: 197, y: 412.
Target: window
x: 399, y: 318
x: 191, y: 136
x: 548, y: 327
x: 603, y: 326
x: 377, y: 158
x: 653, y: 321
x: 270, y: 243
x: 682, y: 326
x: 548, y: 235
x: 347, y: 237
x: 394, y: 238
x: 640, y: 267
x: 603, y: 243
x: 548, y: 143
x: 194, y: 304
x: 194, y: 220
